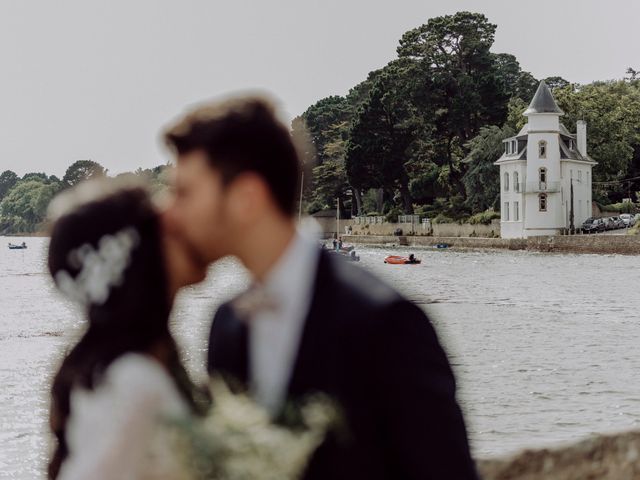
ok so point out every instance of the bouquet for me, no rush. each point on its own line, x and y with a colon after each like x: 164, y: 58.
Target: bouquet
x: 237, y: 439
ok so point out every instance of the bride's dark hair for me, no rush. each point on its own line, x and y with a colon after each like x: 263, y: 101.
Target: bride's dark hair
x: 135, y: 315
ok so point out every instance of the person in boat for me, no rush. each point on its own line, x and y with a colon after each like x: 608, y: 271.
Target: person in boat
x: 340, y: 244
x: 412, y: 258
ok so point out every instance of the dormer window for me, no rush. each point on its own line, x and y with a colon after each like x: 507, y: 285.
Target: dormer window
x: 507, y: 148
x: 514, y: 146
x: 571, y: 145
x: 542, y: 149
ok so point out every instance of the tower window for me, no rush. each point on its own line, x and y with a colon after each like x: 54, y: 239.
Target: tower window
x: 542, y: 178
x: 506, y: 182
x: 542, y: 202
x: 516, y: 185
x: 516, y: 211
x: 505, y: 214
x: 542, y: 149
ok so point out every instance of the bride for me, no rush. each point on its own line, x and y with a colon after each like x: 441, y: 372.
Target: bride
x: 124, y: 375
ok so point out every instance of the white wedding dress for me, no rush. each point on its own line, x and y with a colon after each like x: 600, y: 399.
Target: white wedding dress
x: 112, y: 431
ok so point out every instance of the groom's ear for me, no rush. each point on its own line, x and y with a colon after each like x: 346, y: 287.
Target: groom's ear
x: 248, y: 197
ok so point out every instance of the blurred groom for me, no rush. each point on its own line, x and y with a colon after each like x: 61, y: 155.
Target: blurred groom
x: 310, y: 322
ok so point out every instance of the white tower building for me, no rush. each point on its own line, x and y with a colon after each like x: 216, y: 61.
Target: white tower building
x: 545, y: 173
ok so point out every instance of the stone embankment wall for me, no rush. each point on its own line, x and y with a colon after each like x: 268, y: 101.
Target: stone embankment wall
x: 604, y: 244
x: 329, y: 226
x: 604, y: 457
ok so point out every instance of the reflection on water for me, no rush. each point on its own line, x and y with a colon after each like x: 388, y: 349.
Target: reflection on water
x: 544, y: 346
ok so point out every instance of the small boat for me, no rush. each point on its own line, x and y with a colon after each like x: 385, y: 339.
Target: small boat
x: 398, y: 260
x: 13, y: 246
x: 441, y: 245
x: 350, y: 256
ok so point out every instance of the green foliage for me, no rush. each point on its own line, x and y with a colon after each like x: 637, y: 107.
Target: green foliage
x: 612, y: 112
x: 515, y: 119
x: 7, y: 181
x: 411, y: 135
x: 380, y: 137
x: 83, y: 170
x: 24, y: 208
x: 623, y: 207
x: 441, y: 218
x: 24, y: 201
x: 484, y: 218
x: 482, y: 180
x: 393, y: 214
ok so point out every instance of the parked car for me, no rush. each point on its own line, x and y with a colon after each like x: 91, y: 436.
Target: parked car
x: 628, y: 219
x: 593, y: 225
x: 617, y: 222
x: 609, y: 223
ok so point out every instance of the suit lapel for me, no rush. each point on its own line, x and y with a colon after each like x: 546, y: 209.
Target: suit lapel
x: 230, y: 346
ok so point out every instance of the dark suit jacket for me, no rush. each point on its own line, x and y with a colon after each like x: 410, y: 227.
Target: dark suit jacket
x: 379, y: 357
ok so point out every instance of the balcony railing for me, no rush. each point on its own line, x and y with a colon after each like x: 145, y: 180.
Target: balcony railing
x: 540, y: 187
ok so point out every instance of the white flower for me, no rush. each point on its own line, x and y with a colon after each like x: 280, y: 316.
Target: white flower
x: 99, y: 269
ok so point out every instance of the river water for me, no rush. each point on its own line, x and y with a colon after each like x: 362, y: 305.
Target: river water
x: 545, y: 347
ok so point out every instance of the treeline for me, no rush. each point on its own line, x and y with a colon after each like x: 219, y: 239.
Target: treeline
x: 420, y: 135
x: 24, y: 200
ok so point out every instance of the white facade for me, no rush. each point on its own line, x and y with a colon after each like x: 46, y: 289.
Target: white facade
x: 538, y: 169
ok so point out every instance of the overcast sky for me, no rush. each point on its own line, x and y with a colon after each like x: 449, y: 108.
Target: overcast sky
x: 100, y: 79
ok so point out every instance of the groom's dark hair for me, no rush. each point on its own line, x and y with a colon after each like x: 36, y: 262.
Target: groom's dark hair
x: 243, y: 135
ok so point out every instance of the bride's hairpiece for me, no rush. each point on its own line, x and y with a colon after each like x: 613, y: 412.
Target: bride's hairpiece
x: 98, y: 269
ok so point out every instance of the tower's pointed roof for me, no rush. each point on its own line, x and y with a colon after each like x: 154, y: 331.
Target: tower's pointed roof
x: 543, y: 101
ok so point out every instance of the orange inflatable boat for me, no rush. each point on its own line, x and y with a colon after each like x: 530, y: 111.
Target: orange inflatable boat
x: 397, y: 260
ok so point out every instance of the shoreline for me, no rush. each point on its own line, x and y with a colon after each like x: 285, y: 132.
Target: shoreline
x: 25, y: 235
x: 582, y: 244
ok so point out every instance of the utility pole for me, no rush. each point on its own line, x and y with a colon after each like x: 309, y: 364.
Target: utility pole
x: 338, y: 216
x: 301, y: 190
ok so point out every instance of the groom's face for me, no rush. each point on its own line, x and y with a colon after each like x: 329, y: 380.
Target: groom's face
x: 199, y: 212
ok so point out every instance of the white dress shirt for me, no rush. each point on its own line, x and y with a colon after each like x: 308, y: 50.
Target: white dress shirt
x: 275, y: 333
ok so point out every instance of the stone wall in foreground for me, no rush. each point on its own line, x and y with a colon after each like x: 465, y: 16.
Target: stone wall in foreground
x: 603, y: 244
x: 604, y: 457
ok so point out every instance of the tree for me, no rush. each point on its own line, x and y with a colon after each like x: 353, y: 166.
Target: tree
x: 555, y: 83
x: 515, y: 118
x: 380, y: 138
x: 82, y: 170
x: 24, y: 208
x: 7, y: 180
x: 612, y: 112
x: 462, y: 87
x: 482, y: 180
x: 324, y: 127
x: 38, y: 176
